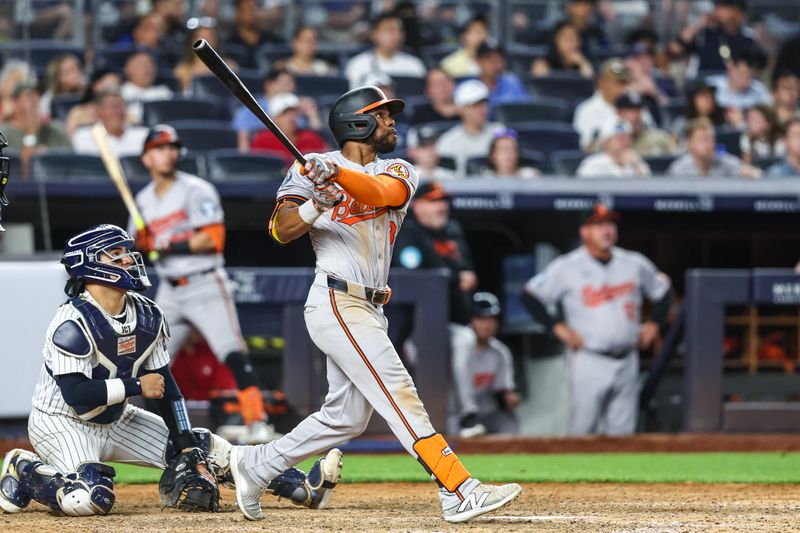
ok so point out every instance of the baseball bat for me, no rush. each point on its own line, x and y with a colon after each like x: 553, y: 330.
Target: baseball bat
x: 217, y: 66
x: 117, y: 175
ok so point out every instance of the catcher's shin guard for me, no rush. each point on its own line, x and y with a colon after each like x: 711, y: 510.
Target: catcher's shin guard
x: 440, y: 462
x: 13, y: 497
x: 89, y: 491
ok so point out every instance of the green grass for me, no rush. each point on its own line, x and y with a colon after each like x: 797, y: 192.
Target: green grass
x: 566, y: 468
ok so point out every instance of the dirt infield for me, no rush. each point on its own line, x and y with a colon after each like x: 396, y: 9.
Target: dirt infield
x: 410, y: 507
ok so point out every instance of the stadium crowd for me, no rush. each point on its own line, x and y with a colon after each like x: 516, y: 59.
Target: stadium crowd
x: 576, y: 94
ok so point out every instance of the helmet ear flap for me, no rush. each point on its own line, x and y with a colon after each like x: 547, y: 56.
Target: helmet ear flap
x: 353, y: 126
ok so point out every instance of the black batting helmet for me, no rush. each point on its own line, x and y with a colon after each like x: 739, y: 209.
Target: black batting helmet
x: 485, y: 304
x: 349, y: 120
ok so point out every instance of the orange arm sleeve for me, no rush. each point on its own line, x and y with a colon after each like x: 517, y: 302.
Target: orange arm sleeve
x: 382, y: 190
x: 217, y: 234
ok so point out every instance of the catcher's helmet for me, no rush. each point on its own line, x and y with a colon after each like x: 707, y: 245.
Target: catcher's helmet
x: 348, y: 118
x: 485, y: 304
x: 82, y: 259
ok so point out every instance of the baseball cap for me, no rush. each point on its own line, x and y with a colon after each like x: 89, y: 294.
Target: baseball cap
x: 159, y: 135
x: 281, y: 102
x: 470, y: 92
x: 741, y: 4
x: 639, y: 49
x: 613, y: 126
x: 431, y: 190
x: 629, y: 100
x: 485, y: 304
x: 422, y: 136
x: 616, y: 68
x: 487, y: 48
x: 600, y: 213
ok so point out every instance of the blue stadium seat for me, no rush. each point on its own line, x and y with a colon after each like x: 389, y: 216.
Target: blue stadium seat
x: 405, y: 86
x: 519, y: 57
x: 316, y: 86
x: 268, y: 53
x: 58, y: 166
x: 674, y: 108
x: 765, y: 162
x: 210, y: 87
x: 231, y: 165
x: 659, y: 163
x: 432, y: 55
x: 528, y: 158
x: 61, y: 104
x: 113, y: 57
x: 547, y: 137
x: 39, y: 52
x: 541, y: 108
x: 562, y: 85
x: 729, y: 138
x: 136, y: 172
x: 566, y: 162
x: 204, y: 135
x: 161, y: 111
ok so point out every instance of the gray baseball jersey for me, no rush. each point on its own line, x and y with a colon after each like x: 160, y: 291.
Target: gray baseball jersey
x: 188, y: 205
x: 602, y: 302
x: 353, y: 241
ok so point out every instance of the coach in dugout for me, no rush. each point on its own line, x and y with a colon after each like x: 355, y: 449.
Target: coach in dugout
x: 600, y: 290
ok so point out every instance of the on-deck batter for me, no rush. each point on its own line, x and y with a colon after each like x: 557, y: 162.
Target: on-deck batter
x: 352, y: 204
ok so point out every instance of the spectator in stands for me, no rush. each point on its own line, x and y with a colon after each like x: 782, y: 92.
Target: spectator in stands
x: 483, y: 375
x: 14, y: 72
x: 617, y: 159
x: 762, y: 138
x: 738, y: 89
x: 647, y: 140
x: 473, y: 136
x: 639, y: 61
x: 564, y: 53
x: 139, y: 86
x: 382, y: 82
x: 173, y: 15
x: 422, y: 152
x: 85, y: 112
x: 700, y: 102
x: 790, y: 166
x: 702, y: 159
x: 386, y: 56
x: 786, y: 95
x: 27, y: 129
x: 581, y: 14
x: 283, y: 109
x: 244, y: 122
x: 591, y: 114
x: 191, y: 65
x: 304, y: 60
x: 788, y: 59
x: 248, y: 33
x: 148, y: 32
x: 504, y: 157
x: 64, y: 76
x: 716, y: 37
x: 123, y: 138
x: 439, y: 88
x: 463, y: 62
x: 504, y: 87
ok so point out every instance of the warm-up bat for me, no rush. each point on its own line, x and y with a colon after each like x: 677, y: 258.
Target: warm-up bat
x: 117, y: 175
x: 229, y: 78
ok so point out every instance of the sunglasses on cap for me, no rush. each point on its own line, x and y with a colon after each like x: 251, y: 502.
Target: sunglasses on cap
x: 201, y: 22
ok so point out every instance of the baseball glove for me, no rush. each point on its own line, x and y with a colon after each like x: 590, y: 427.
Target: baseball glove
x: 187, y: 483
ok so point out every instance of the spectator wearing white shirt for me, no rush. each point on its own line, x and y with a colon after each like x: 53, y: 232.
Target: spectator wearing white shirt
x: 617, y: 159
x: 738, y: 89
x: 702, y: 159
x: 387, y: 35
x: 123, y: 138
x: 473, y: 136
x: 140, y: 76
x: 591, y: 114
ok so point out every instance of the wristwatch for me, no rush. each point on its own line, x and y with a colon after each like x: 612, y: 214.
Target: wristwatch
x: 30, y: 140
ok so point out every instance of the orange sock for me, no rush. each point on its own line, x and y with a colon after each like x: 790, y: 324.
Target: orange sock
x: 252, y: 403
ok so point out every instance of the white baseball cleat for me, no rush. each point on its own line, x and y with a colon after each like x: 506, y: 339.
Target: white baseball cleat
x: 478, y: 499
x: 248, y: 493
x: 323, y: 477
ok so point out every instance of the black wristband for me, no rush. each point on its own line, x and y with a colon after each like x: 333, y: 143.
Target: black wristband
x: 133, y: 387
x: 180, y: 248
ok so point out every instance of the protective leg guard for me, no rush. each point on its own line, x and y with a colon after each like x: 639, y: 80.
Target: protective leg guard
x: 440, y: 462
x: 291, y: 484
x: 13, y: 497
x: 89, y: 491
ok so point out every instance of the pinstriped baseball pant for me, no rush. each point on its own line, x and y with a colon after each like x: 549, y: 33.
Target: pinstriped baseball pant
x: 364, y: 373
x: 138, y: 437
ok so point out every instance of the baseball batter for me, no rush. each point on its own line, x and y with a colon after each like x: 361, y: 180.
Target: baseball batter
x: 106, y: 344
x: 601, y: 289
x: 185, y: 224
x: 352, y: 204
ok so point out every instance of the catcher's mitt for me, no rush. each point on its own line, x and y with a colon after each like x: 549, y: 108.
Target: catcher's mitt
x: 187, y: 483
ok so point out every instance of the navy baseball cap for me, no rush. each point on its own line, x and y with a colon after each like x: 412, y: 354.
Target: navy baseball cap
x: 629, y: 100
x: 159, y: 135
x: 485, y: 304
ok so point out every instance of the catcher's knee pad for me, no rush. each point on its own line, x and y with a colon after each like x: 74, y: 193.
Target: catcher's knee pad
x: 440, y: 462
x: 89, y: 491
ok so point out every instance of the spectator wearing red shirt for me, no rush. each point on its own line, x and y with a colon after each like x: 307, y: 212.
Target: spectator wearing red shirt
x: 283, y: 109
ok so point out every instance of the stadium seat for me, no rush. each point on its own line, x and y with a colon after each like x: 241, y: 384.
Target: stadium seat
x: 61, y: 104
x: 57, y: 166
x: 405, y: 86
x: 39, y: 53
x: 232, y: 165
x: 210, y: 87
x: 729, y: 138
x: 765, y: 162
x: 432, y: 55
x: 570, y: 86
x: 113, y: 57
x: 268, y: 53
x: 528, y: 158
x: 674, y: 108
x: 659, y: 163
x: 547, y: 137
x: 566, y: 162
x: 161, y: 111
x: 316, y: 86
x: 136, y: 172
x: 519, y: 57
x: 204, y: 135
x: 542, y: 108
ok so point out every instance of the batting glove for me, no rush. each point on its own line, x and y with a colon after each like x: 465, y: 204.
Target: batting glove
x: 326, y: 196
x: 319, y: 170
